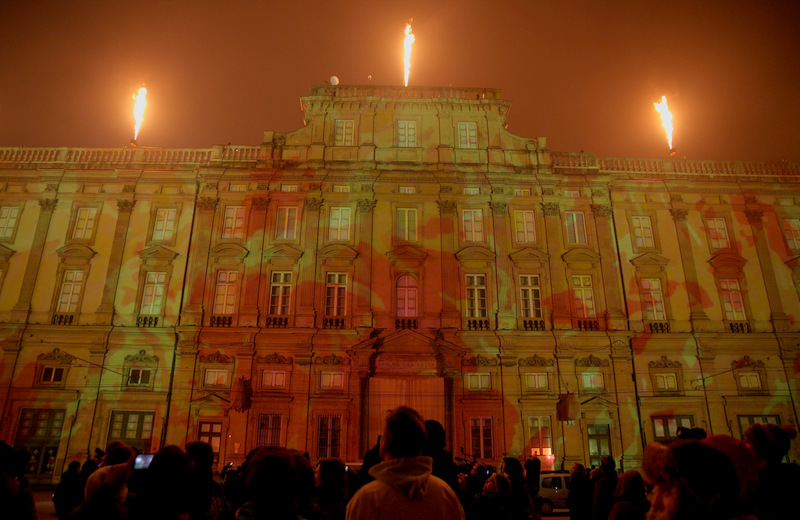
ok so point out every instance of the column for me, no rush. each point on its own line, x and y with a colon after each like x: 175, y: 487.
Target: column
x: 609, y: 266
x: 562, y: 316
x: 698, y: 316
x: 19, y: 313
x: 451, y: 294
x: 199, y: 246
x: 505, y: 284
x: 253, y: 277
x: 780, y: 321
x: 362, y: 275
x: 306, y: 265
x: 105, y: 311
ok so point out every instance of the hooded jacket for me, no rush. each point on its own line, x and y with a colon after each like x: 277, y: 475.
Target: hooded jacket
x: 405, y: 488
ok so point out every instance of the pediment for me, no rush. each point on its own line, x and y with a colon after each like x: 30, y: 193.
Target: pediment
x: 581, y: 255
x: 282, y: 252
x: 649, y: 259
x: 338, y: 252
x: 529, y: 256
x: 76, y: 251
x: 407, y: 254
x: 5, y: 253
x: 727, y: 260
x: 157, y: 253
x: 793, y: 263
x: 229, y: 250
x: 407, y: 341
x: 475, y: 257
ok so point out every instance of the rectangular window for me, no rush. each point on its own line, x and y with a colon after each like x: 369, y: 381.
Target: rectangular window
x: 134, y: 428
x: 237, y: 187
x: 153, y: 293
x: 481, y: 437
x: 406, y: 297
x: 225, y: 297
x: 70, y: 291
x: 472, y: 191
x: 289, y: 187
x: 592, y: 381
x: 530, y: 296
x: 536, y: 381
x: 583, y: 296
x: 642, y: 232
x: 52, y: 375
x: 747, y: 420
x: 215, y: 377
x: 718, y: 233
x: 8, y: 221
x: 39, y: 432
x: 573, y: 194
x: 233, y: 226
x: 139, y: 377
x: 666, y: 381
x: 164, y: 225
x: 344, y: 132
x: 335, y: 294
x: 269, y: 430
x: 476, y: 296
x: 329, y: 434
x: 599, y: 443
x: 473, y: 225
x: 468, y: 135
x: 406, y: 134
x: 791, y: 229
x: 286, y: 223
x: 339, y: 188
x: 479, y: 381
x: 665, y: 427
x: 407, y: 190
x: 331, y: 380
x: 524, y: 227
x: 84, y: 223
x: 541, y: 440
x: 211, y: 434
x: 749, y: 381
x: 522, y: 192
x: 407, y: 224
x: 279, y: 293
x: 273, y: 378
x: 732, y: 302
x: 576, y: 229
x: 653, y: 300
x: 339, y: 228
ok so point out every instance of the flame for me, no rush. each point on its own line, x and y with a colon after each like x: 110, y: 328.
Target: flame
x: 407, y: 42
x: 666, y: 118
x: 138, y: 110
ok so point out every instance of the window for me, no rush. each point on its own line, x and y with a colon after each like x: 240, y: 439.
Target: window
x: 153, y: 293
x: 211, y: 434
x: 751, y: 381
x: 134, y: 428
x: 329, y: 433
x: 666, y: 381
x: 289, y: 187
x: 522, y: 192
x: 732, y: 303
x: 139, y: 377
x: 70, y: 291
x: 750, y: 376
x: 84, y: 224
x: 269, y: 430
x: 718, y: 233
x: 279, y: 293
x: 407, y: 190
x: 340, y: 188
x: 39, y: 432
x: 233, y: 225
x: 476, y: 296
x: 344, y: 132
x: 746, y: 421
x: 481, y: 437
x: 576, y: 230
x: 472, y: 191
x: 467, y: 135
x: 524, y: 227
x: 599, y: 443
x: 541, y: 441
x: 536, y: 381
x: 406, y: 134
x: 642, y: 232
x: 473, y: 225
x: 665, y: 427
x: 530, y: 296
x: 791, y: 230
x: 583, y: 296
x: 573, y: 194
x: 273, y: 378
x: 52, y: 375
x: 237, y: 187
x: 339, y: 228
x: 329, y: 380
x: 653, y: 300
x: 164, y: 225
x: 335, y: 294
x: 215, y: 377
x: 479, y: 381
x: 225, y: 297
x: 406, y: 297
x: 407, y: 224
x: 592, y: 381
x: 8, y: 221
x: 286, y: 223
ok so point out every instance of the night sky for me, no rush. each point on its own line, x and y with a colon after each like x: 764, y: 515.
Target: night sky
x: 583, y: 74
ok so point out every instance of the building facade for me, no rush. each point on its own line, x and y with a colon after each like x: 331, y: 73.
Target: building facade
x: 401, y: 248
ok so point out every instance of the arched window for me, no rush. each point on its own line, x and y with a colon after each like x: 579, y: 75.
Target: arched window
x: 406, y: 297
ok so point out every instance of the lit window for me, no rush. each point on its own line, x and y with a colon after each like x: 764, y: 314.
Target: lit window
x: 139, y: 377
x: 407, y: 190
x: 84, y: 223
x: 541, y: 441
x: 289, y: 187
x: 329, y: 433
x: 339, y: 228
x: 70, y: 291
x: 344, y: 132
x: 576, y: 230
x: 280, y: 291
x: 791, y: 229
x: 476, y: 296
x: 524, y: 226
x: 269, y: 430
x: 750, y: 381
x: 8, y: 220
x: 211, y: 434
x: 522, y: 192
x: 642, y: 232
x: 225, y: 297
x: 52, y: 375
x: 407, y: 224
x: 472, y: 191
x: 666, y: 381
x: 732, y: 300
x: 406, y: 134
x: 273, y: 378
x: 467, y: 135
x: 479, y: 381
x: 335, y: 294
x: 341, y: 189
x: 473, y: 225
x: 406, y: 297
x: 665, y: 427
x: 583, y: 296
x: 215, y: 377
x: 286, y: 224
x: 153, y: 293
x: 481, y: 437
x: 718, y: 233
x: 530, y: 296
x: 536, y: 381
x: 331, y: 380
x: 592, y: 381
x: 653, y: 300
x: 233, y: 227
x: 164, y: 225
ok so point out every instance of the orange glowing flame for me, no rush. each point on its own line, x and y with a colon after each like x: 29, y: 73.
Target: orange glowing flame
x: 407, y: 42
x: 666, y: 118
x: 138, y: 110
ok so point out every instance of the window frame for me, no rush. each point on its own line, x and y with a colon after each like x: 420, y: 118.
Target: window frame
x: 664, y: 421
x: 711, y: 227
x: 235, y: 293
x: 579, y: 300
x: 485, y: 424
x: 12, y: 229
x: 534, y: 300
x: 75, y: 218
x: 633, y: 218
x: 528, y: 234
x: 791, y: 233
x: 537, y: 377
x: 594, y: 376
x: 339, y: 232
x: 285, y: 290
x: 472, y: 233
x: 732, y: 314
x: 539, y: 451
x: 344, y: 131
x: 218, y: 371
x: 648, y: 299
x: 467, y: 132
x: 154, y: 223
x: 478, y: 381
x: 286, y: 226
x: 409, y: 293
x: 340, y: 294
x: 237, y: 230
x: 472, y: 290
x: 404, y: 140
x: 406, y: 233
x: 333, y: 425
x: 575, y: 228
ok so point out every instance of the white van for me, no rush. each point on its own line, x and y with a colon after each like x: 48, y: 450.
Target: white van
x: 553, y: 491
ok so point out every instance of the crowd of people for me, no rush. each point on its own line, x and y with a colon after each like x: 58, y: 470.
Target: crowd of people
x: 410, y: 475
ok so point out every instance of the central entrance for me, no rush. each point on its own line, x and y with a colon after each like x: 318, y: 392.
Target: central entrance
x: 425, y: 394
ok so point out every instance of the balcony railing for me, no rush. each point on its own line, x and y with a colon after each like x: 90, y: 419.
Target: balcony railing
x: 276, y: 322
x: 739, y: 326
x: 63, y: 318
x: 333, y: 323
x: 405, y: 323
x: 147, y: 321
x: 221, y: 321
x: 478, y: 324
x: 658, y: 327
x: 530, y: 324
x: 586, y: 324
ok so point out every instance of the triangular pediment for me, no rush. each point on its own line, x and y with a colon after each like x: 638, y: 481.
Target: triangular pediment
x: 529, y: 256
x: 282, y: 252
x: 649, y: 259
x: 158, y: 253
x: 727, y: 260
x: 407, y: 341
x: 793, y: 263
x: 229, y: 249
x: 475, y: 253
x: 75, y: 251
x: 581, y: 255
x: 339, y: 252
x: 5, y: 253
x: 407, y: 254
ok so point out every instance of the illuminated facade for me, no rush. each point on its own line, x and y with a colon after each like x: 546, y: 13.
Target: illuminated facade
x: 401, y: 248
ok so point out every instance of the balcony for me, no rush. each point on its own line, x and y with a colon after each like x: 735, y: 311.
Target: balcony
x: 739, y: 327
x: 64, y: 318
x: 221, y: 321
x: 533, y: 325
x: 147, y: 321
x: 658, y: 327
x: 276, y: 322
x: 333, y: 323
x: 585, y: 324
x: 478, y: 324
x: 405, y: 323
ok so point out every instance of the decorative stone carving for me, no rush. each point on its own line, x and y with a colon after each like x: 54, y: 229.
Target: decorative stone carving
x: 125, y: 205
x: 366, y: 188
x: 333, y: 359
x: 51, y: 187
x: 498, y: 189
x: 536, y: 361
x: 754, y: 216
x: 548, y: 191
x: 446, y: 207
x: 313, y: 204
x: 550, y: 209
x: 141, y: 357
x: 591, y: 361
x: 278, y: 140
x: 446, y: 189
x: 745, y: 362
x: 56, y: 356
x: 48, y: 204
x: 599, y: 192
x: 216, y: 357
x: 262, y: 186
x: 601, y: 210
x: 260, y: 203
x: 664, y: 362
x: 498, y: 208
x: 207, y: 203
x: 274, y: 359
x: 676, y: 197
x: 480, y: 361
x: 679, y: 214
x: 129, y: 188
x: 314, y: 186
x: 366, y: 205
